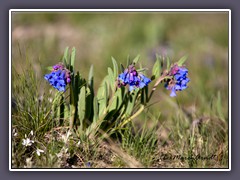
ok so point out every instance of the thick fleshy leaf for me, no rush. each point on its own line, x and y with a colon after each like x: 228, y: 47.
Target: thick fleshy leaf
x: 115, y: 68
x: 102, y: 97
x: 119, y: 94
x: 111, y: 78
x: 82, y: 105
x: 131, y: 102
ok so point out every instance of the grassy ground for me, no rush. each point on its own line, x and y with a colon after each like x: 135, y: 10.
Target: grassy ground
x: 165, y: 135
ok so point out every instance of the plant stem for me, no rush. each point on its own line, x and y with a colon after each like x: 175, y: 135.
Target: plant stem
x: 155, y: 87
x: 132, y: 117
x: 160, y: 79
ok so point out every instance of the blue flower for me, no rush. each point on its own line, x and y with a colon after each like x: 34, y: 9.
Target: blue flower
x: 131, y: 77
x: 179, y: 80
x: 59, y: 77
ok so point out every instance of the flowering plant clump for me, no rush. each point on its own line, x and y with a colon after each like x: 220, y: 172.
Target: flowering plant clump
x: 110, y: 108
x: 131, y: 77
x: 179, y: 79
x: 59, y: 77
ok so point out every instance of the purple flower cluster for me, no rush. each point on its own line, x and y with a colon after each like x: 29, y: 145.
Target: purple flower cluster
x: 59, y: 77
x: 131, y: 77
x: 179, y: 79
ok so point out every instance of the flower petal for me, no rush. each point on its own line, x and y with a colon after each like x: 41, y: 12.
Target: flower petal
x: 173, y: 92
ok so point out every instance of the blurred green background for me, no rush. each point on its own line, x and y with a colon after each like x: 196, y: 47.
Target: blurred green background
x: 41, y: 37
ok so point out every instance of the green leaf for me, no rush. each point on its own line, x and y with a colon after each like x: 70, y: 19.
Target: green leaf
x: 156, y: 69
x: 142, y: 69
x: 111, y: 79
x: 82, y: 105
x: 114, y: 104
x: 116, y: 101
x: 95, y: 109
x: 115, y: 67
x: 131, y: 102
x: 66, y: 111
x: 111, y: 74
x: 72, y: 106
x: 128, y: 60
x: 161, y: 62
x: 102, y: 96
x: 158, y: 58
x: 49, y: 68
x: 182, y: 60
x: 72, y: 61
x: 90, y: 77
x: 136, y: 59
x: 56, y: 105
x: 65, y: 57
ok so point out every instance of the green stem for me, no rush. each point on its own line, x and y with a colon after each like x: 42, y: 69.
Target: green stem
x: 160, y: 79
x: 132, y: 117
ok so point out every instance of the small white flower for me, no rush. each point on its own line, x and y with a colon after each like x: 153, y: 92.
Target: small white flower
x: 39, y: 151
x: 27, y: 142
x: 31, y: 132
x: 78, y: 144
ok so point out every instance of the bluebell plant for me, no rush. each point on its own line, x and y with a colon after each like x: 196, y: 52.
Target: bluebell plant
x: 89, y: 111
